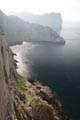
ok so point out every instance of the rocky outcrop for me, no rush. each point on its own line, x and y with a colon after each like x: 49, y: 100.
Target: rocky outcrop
x: 17, y: 30
x: 21, y: 100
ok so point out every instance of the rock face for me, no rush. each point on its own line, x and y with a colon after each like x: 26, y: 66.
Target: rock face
x: 21, y: 100
x: 16, y: 30
x: 53, y: 20
x: 6, y: 107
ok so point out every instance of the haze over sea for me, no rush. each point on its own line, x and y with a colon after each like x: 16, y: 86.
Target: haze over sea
x: 57, y: 66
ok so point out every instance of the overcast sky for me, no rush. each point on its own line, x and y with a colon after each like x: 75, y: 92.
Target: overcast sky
x: 70, y: 9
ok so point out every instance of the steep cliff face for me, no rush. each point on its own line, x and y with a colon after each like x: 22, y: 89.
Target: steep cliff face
x: 6, y: 66
x: 21, y: 100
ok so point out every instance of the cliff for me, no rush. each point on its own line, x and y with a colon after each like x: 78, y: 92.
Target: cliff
x: 53, y: 20
x: 6, y: 68
x: 21, y: 100
x: 17, y: 30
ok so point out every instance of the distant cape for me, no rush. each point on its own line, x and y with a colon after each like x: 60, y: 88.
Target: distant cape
x: 53, y: 20
x: 17, y: 30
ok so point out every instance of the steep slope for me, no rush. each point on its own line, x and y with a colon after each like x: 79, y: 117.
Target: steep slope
x: 21, y: 100
x: 6, y: 67
x: 53, y: 20
x: 16, y: 30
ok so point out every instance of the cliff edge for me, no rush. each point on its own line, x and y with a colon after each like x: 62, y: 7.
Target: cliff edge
x: 21, y: 100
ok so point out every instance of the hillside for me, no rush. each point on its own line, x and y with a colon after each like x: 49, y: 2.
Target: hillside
x: 21, y: 100
x: 17, y: 30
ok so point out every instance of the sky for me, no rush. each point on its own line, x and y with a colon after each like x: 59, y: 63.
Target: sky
x: 69, y: 9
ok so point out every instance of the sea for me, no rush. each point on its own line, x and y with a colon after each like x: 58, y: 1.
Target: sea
x: 57, y: 66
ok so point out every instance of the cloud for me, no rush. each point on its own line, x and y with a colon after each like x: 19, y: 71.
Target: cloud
x: 68, y: 8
